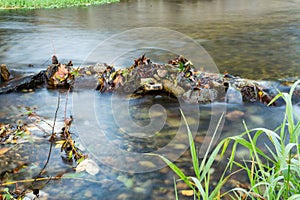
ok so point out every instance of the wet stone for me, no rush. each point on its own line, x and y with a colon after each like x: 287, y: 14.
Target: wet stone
x: 234, y: 115
x: 88, y: 194
x: 181, y: 185
x: 140, y: 190
x: 147, y: 164
x: 123, y: 196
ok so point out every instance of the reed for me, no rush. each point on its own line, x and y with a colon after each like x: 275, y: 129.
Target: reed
x: 272, y: 174
x: 33, y: 4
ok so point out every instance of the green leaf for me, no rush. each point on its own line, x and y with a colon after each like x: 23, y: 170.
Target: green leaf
x: 175, y: 189
x: 175, y: 169
x: 192, y: 148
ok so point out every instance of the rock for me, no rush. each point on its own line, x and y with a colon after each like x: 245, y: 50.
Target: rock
x: 188, y: 193
x: 147, y: 164
x: 204, y: 95
x: 180, y: 146
x: 89, y: 166
x: 162, y: 73
x: 140, y: 190
x: 41, y: 195
x: 172, y: 88
x: 4, y: 73
x: 88, y: 194
x: 128, y: 182
x: 234, y: 115
x: 123, y: 196
x: 257, y: 120
x: 149, y: 84
x: 181, y: 185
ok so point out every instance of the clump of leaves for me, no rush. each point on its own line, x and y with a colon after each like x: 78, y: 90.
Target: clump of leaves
x: 68, y: 145
x: 5, y: 194
x: 10, y: 134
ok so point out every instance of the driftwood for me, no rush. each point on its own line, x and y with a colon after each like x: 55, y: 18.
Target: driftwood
x: 56, y: 75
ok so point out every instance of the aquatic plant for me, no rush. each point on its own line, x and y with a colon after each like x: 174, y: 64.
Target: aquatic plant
x: 200, y: 183
x: 32, y: 4
x: 272, y: 175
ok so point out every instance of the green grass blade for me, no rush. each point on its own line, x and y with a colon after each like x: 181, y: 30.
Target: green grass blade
x: 294, y: 87
x: 174, y: 168
x: 208, y: 164
x: 199, y: 187
x: 192, y: 148
x: 294, y: 197
x: 175, y: 189
x: 204, y: 165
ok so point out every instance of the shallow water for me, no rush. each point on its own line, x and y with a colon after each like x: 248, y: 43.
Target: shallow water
x: 103, y: 139
x: 257, y: 39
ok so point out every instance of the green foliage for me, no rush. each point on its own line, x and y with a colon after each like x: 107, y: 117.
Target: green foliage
x: 201, y: 181
x: 7, y: 195
x: 32, y: 4
x: 273, y: 174
x: 181, y: 66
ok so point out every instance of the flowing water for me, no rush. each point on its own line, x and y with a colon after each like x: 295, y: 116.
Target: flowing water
x: 254, y: 39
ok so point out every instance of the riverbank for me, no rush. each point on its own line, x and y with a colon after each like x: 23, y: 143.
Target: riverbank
x: 34, y: 4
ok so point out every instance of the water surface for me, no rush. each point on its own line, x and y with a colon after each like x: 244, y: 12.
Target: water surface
x: 254, y: 39
x: 257, y: 39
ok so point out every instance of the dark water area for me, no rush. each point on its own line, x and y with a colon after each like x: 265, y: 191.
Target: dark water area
x: 254, y: 39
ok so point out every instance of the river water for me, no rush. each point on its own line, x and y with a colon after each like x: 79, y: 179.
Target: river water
x: 257, y: 39
x: 254, y: 39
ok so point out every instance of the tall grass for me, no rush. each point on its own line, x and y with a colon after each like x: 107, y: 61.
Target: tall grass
x: 31, y: 4
x: 200, y: 183
x: 272, y: 174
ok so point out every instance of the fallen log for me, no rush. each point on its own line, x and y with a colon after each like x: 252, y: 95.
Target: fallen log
x: 179, y: 78
x: 56, y: 75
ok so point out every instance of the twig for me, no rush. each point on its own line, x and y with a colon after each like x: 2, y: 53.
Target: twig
x: 55, y: 115
x: 47, y: 178
x: 52, y: 136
